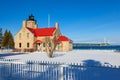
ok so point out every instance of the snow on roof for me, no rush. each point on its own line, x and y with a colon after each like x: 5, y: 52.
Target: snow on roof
x: 42, y: 31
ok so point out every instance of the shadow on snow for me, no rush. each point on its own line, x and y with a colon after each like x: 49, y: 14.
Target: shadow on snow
x: 2, y: 55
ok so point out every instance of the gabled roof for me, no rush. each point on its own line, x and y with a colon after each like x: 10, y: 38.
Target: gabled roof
x: 62, y: 38
x: 43, y: 31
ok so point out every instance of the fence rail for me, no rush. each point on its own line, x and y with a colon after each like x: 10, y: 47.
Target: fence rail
x: 41, y: 70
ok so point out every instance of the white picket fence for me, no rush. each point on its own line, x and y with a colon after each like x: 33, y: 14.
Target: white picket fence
x: 40, y: 70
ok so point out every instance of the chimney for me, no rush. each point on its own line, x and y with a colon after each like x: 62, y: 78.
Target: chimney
x: 24, y: 24
x: 57, y: 25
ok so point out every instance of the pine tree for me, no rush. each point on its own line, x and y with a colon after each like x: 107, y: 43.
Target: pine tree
x: 10, y: 41
x: 1, y: 36
x: 7, y: 41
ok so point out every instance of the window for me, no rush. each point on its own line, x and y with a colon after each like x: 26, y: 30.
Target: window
x: 20, y: 45
x: 58, y: 45
x: 27, y: 35
x: 43, y: 44
x: 20, y: 36
x: 49, y: 44
x: 27, y: 45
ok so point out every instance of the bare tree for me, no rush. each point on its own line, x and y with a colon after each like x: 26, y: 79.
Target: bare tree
x: 50, y: 46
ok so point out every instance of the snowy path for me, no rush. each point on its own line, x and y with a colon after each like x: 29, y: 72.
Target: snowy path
x: 76, y: 56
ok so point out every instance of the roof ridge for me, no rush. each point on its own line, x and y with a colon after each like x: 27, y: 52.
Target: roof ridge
x: 45, y: 27
x: 42, y: 31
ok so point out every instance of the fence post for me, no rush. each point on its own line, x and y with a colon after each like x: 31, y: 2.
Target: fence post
x: 62, y: 71
x: 10, y: 71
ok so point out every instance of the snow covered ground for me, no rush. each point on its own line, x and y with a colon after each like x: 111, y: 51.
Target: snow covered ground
x: 21, y: 70
x: 104, y: 57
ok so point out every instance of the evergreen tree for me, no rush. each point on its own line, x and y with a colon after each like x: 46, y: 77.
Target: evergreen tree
x: 8, y: 41
x: 0, y: 36
x: 5, y: 39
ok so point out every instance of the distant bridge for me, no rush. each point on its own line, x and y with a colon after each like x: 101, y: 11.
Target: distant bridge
x: 90, y: 44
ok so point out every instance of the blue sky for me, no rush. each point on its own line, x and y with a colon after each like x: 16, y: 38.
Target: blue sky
x: 80, y: 20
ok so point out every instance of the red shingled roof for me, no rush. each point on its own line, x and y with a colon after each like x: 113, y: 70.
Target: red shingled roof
x: 62, y: 38
x: 43, y: 31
